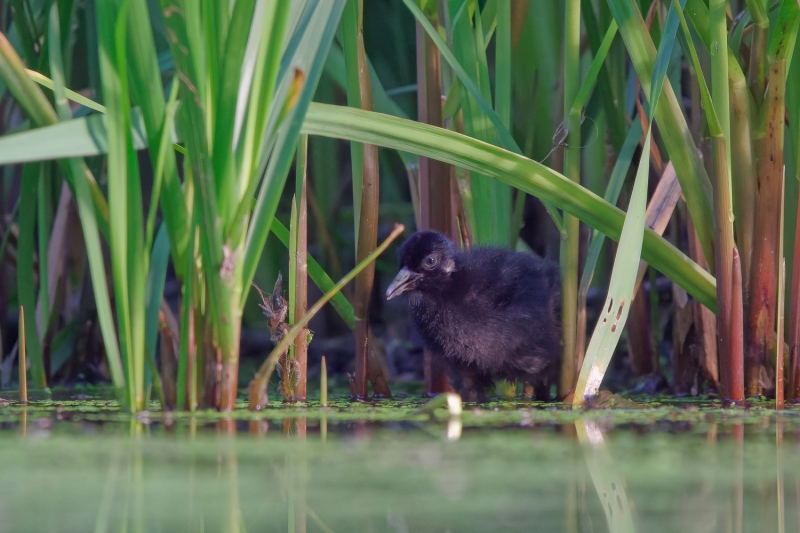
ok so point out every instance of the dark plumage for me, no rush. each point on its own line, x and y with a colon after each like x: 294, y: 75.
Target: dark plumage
x: 490, y: 312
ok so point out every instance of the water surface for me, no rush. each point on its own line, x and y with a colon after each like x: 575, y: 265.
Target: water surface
x: 83, y: 466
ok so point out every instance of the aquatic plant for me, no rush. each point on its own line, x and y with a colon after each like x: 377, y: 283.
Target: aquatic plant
x: 220, y: 101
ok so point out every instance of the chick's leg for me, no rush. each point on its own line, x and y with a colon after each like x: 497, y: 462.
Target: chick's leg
x: 539, y: 372
x: 469, y: 381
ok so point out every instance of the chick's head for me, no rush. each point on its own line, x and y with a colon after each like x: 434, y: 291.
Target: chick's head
x: 427, y: 260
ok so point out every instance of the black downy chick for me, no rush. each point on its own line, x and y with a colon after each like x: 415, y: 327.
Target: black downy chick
x: 490, y: 312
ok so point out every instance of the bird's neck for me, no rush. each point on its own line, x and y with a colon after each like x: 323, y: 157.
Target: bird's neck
x: 428, y: 312
x: 437, y: 296
x: 443, y: 290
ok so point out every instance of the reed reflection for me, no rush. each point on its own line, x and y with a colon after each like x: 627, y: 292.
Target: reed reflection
x: 227, y: 426
x: 295, y: 427
x: 297, y: 475
x: 258, y: 428
x: 234, y: 523
x: 779, y: 475
x: 738, y: 489
x: 609, y: 485
x: 23, y: 421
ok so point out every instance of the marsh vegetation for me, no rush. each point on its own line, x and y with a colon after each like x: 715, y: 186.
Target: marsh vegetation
x: 201, y: 199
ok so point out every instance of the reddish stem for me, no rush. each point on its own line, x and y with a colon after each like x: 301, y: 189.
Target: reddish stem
x: 734, y: 373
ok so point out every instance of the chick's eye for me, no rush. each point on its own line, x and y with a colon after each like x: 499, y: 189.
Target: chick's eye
x: 430, y: 261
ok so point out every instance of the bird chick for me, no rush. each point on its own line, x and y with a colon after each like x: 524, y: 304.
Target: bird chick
x: 489, y: 312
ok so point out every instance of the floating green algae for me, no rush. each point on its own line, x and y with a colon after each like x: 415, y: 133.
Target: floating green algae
x: 528, y: 469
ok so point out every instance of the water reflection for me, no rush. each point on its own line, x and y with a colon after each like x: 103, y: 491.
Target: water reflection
x: 779, y: 475
x: 609, y: 485
x: 295, y: 427
x: 234, y: 522
x: 300, y: 474
x: 258, y: 428
x: 23, y: 421
x: 738, y: 491
x: 454, y: 428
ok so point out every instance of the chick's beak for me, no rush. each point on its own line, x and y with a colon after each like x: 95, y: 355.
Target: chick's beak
x: 404, y: 281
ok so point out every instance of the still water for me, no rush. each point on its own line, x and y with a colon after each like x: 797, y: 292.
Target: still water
x: 649, y: 471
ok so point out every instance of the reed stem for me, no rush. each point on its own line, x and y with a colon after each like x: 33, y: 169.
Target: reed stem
x: 367, y: 194
x: 764, y: 269
x: 572, y: 169
x: 323, y: 382
x: 733, y: 381
x: 23, y: 359
x: 794, y: 321
x: 758, y: 49
x: 434, y: 176
x: 779, y: 370
x: 300, y: 261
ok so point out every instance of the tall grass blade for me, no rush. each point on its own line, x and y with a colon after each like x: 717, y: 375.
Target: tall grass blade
x: 620, y: 291
x: 504, y: 136
x: 613, y: 108
x: 334, y: 67
x: 267, y: 35
x: 41, y: 113
x: 592, y: 75
x: 58, y: 244
x: 80, y: 137
x: 154, y: 291
x: 218, y: 267
x: 613, y: 189
x: 623, y: 278
x: 78, y: 175
x: 187, y: 347
x: 124, y: 191
x: 44, y: 222
x: 659, y: 212
x: 25, y: 91
x: 147, y: 92
x: 164, y: 155
x: 228, y: 85
x: 310, y: 58
x: 26, y: 287
x: 351, y: 17
x: 78, y: 98
x: 491, y: 199
x: 695, y: 183
x: 502, y: 61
